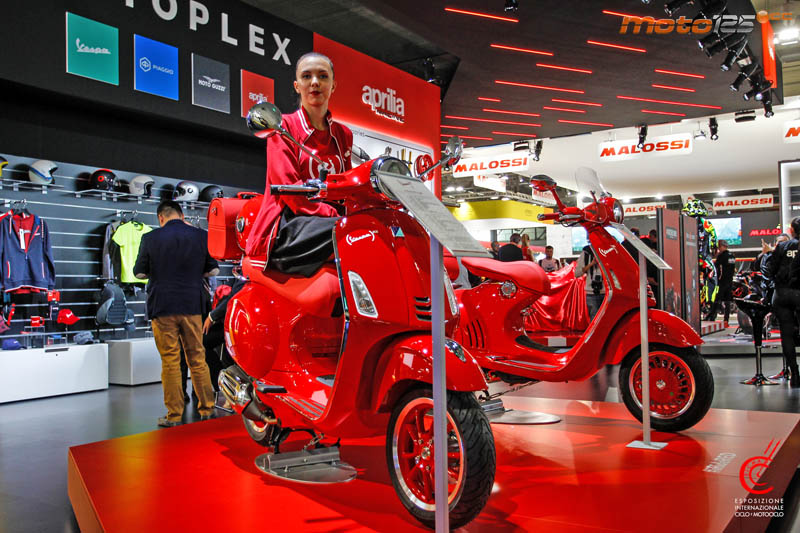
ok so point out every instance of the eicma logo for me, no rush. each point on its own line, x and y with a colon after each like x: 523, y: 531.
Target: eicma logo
x: 385, y: 104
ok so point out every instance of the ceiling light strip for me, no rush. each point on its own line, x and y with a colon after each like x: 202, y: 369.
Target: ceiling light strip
x: 673, y: 88
x: 676, y: 73
x: 518, y: 49
x: 617, y: 46
x: 511, y: 112
x: 455, y: 127
x: 586, y: 123
x: 654, y: 112
x: 486, y: 99
x: 543, y: 87
x: 466, y: 136
x: 564, y: 109
x: 576, y: 102
x: 514, y: 134
x: 618, y: 14
x: 668, y: 102
x: 570, y: 69
x: 456, y: 117
x: 479, y: 14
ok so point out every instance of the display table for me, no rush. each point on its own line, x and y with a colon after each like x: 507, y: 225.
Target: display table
x: 40, y: 372
x: 133, y: 361
x: 576, y: 476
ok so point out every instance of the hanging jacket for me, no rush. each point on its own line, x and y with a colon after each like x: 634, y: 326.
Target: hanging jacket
x: 125, y: 244
x: 27, y: 260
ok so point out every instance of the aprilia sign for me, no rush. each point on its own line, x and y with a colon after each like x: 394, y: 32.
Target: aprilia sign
x: 639, y: 210
x: 791, y: 131
x: 679, y: 144
x: 385, y: 104
x: 755, y: 201
x: 492, y: 165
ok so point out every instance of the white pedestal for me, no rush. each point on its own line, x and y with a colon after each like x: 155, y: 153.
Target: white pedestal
x: 133, y: 361
x: 41, y: 372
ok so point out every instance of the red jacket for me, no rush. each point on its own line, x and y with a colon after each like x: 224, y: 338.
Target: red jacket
x: 287, y: 164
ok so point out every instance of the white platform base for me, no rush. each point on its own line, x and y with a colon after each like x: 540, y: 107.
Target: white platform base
x: 642, y: 445
x: 41, y: 372
x: 133, y: 361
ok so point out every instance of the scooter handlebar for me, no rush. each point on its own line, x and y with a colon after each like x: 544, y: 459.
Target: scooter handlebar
x: 305, y: 190
x: 549, y: 216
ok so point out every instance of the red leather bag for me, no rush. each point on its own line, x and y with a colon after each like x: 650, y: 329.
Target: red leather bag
x: 222, y: 214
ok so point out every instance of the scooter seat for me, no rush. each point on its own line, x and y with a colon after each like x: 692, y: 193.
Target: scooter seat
x: 526, y: 274
x: 316, y: 295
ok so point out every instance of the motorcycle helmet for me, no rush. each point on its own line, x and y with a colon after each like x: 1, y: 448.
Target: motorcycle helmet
x: 142, y: 186
x: 122, y: 186
x: 41, y: 172
x: 3, y: 163
x: 695, y: 208
x: 102, y: 179
x: 211, y: 192
x: 186, y: 191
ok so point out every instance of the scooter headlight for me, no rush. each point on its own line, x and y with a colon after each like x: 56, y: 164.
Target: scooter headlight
x: 364, y: 304
x: 451, y: 294
x: 619, y: 212
x: 508, y: 289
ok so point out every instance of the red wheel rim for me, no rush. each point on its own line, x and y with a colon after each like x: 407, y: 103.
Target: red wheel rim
x: 672, y: 386
x: 413, y: 455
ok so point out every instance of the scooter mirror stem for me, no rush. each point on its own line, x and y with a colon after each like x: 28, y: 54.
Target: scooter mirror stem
x: 452, y: 155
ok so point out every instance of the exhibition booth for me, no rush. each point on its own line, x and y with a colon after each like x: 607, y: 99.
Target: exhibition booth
x: 405, y: 366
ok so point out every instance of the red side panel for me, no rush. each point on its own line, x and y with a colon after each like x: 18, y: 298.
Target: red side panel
x: 662, y: 328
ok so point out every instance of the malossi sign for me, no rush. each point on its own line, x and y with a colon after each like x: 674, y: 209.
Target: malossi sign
x: 492, y: 165
x: 791, y: 131
x: 640, y: 210
x: 678, y: 144
x: 732, y: 203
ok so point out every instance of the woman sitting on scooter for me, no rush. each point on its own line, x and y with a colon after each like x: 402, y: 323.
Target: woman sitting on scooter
x: 294, y: 233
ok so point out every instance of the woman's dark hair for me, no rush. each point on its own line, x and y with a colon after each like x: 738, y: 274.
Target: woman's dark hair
x: 310, y: 55
x: 796, y: 226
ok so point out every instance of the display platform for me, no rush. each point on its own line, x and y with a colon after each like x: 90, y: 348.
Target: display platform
x: 576, y: 476
x: 708, y: 327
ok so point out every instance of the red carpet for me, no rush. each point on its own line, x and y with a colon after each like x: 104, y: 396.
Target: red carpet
x: 574, y: 476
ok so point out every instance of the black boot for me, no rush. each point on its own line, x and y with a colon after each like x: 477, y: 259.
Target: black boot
x: 794, y: 380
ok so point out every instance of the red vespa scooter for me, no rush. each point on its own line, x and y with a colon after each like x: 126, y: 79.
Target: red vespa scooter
x: 492, y: 323
x: 347, y: 353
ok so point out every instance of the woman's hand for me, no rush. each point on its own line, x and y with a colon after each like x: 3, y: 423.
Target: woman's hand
x: 207, y: 325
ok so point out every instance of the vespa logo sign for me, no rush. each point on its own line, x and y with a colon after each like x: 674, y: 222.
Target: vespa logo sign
x: 356, y: 236
x: 669, y: 145
x: 491, y: 165
x: 791, y: 131
x: 743, y: 202
x: 385, y: 104
x: 634, y: 210
x: 83, y: 49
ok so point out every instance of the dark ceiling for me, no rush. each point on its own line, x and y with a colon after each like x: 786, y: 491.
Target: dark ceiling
x: 405, y: 32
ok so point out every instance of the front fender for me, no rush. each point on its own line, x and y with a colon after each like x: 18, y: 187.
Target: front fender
x: 662, y: 328
x: 409, y: 359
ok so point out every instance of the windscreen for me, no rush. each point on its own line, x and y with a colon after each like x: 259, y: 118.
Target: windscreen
x: 587, y: 183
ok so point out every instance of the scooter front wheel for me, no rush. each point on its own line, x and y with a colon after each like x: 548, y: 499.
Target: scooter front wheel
x: 470, y: 456
x: 681, y: 386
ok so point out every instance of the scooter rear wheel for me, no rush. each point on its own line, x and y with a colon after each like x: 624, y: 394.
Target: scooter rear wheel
x: 470, y: 456
x: 681, y: 386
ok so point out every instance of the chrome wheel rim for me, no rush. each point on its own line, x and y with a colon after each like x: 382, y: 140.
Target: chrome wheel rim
x: 672, y: 386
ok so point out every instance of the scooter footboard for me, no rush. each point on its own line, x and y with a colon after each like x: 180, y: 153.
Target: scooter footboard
x: 662, y: 328
x: 409, y: 360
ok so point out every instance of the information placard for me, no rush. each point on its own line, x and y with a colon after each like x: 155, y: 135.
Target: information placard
x: 637, y: 243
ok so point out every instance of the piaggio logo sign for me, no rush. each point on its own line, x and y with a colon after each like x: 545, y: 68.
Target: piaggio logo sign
x: 724, y: 24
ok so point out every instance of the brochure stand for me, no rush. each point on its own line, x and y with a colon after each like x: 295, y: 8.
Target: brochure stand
x: 645, y: 254
x: 445, y: 230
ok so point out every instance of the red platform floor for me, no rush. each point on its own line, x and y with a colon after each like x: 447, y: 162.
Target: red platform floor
x: 574, y: 476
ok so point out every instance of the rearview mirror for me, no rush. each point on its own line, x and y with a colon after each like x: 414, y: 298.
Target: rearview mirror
x: 543, y: 183
x: 453, y: 150
x: 264, y: 116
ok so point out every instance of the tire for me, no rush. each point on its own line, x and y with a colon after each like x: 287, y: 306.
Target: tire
x: 261, y: 433
x: 681, y: 385
x: 470, y: 437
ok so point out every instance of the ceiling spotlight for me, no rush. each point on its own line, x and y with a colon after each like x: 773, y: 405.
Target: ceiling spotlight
x: 768, y: 106
x: 757, y: 89
x: 672, y: 7
x: 713, y: 128
x: 733, y: 55
x: 744, y: 116
x: 642, y: 136
x: 700, y: 135
x: 626, y: 199
x: 722, y: 192
x: 459, y: 189
x: 729, y: 42
x: 429, y: 71
x: 511, y: 6
x: 659, y: 196
x: 744, y: 74
x: 537, y: 150
x: 450, y: 189
x: 712, y: 8
x: 708, y: 40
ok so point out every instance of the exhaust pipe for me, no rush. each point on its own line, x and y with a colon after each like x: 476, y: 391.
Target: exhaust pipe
x: 237, y: 389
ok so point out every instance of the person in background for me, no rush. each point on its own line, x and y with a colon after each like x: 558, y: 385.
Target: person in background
x: 783, y: 269
x: 653, y: 239
x: 766, y: 251
x: 628, y: 246
x: 511, y: 251
x: 549, y: 263
x: 525, y: 244
x: 595, y: 288
x: 495, y: 250
x: 175, y: 258
x: 725, y: 264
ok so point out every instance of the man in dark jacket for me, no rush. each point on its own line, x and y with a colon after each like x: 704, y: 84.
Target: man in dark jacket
x: 725, y: 263
x: 175, y: 259
x: 781, y: 267
x: 511, y: 251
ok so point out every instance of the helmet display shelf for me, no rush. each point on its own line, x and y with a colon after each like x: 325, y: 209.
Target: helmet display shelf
x: 17, y: 185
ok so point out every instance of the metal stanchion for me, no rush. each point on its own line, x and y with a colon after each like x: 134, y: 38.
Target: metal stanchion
x: 439, y: 389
